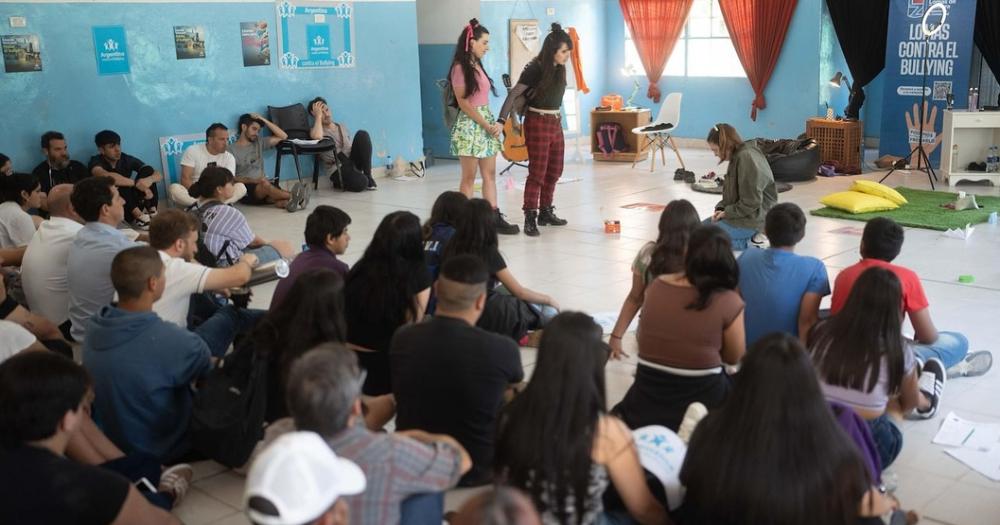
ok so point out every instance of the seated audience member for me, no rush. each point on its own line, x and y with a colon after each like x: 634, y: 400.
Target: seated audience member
x: 352, y: 158
x: 864, y: 362
x: 57, y: 168
x: 175, y: 234
x: 226, y: 232
x: 46, y: 331
x: 44, y: 269
x: 500, y: 506
x: 782, y: 289
x: 248, y: 150
x: 6, y: 166
x: 449, y: 376
x: 881, y: 242
x: 326, y: 237
x: 511, y: 308
x: 691, y: 327
x: 19, y: 193
x: 664, y: 256
x: 409, y: 468
x: 438, y: 230
x: 42, y: 407
x: 748, y: 190
x: 387, y: 288
x: 88, y: 265
x: 198, y: 157
x: 299, y: 480
x: 15, y: 338
x: 134, y: 355
x: 564, y: 404
x: 776, y: 418
x: 140, y: 193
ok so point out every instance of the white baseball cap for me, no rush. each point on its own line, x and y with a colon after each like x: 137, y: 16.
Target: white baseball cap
x: 301, y: 477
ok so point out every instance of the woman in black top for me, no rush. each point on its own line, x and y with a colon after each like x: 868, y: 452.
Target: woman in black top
x: 538, y: 96
x: 386, y: 289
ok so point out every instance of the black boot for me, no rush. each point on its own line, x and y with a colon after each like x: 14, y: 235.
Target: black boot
x: 547, y: 217
x: 530, y: 226
x: 504, y: 227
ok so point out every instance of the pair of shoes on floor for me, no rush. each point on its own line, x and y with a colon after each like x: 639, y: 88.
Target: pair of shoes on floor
x: 975, y: 364
x: 299, y: 199
x: 931, y: 384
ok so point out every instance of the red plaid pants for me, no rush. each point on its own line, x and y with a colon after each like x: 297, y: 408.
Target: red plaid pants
x: 543, y: 135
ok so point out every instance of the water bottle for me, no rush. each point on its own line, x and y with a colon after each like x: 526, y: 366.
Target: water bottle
x: 954, y: 158
x: 991, y: 160
x: 974, y: 102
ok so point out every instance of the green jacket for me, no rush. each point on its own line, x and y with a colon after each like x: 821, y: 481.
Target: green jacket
x: 748, y: 191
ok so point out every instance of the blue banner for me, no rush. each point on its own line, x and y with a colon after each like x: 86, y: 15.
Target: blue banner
x: 111, y: 50
x: 945, y: 58
x: 315, y: 34
x: 318, y: 42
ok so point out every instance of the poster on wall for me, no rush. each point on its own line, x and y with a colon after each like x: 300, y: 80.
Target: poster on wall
x: 945, y: 57
x: 111, y: 50
x: 256, y: 43
x: 315, y: 34
x: 189, y: 41
x: 21, y: 53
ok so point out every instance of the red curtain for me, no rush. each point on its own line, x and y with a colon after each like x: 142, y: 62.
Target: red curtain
x: 757, y: 29
x: 655, y: 26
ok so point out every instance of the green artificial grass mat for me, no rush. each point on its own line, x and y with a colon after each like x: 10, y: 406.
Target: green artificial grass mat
x: 923, y: 211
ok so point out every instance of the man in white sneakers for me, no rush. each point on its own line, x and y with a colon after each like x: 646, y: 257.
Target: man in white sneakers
x: 298, y: 480
x: 200, y: 156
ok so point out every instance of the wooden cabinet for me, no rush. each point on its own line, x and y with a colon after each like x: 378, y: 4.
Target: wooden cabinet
x: 838, y: 140
x: 968, y: 136
x: 628, y: 120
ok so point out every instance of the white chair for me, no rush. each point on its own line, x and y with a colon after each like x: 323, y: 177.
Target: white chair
x: 657, y: 135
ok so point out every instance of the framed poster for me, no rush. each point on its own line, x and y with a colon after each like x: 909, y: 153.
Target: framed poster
x: 21, y: 53
x: 111, y: 49
x: 314, y: 35
x: 256, y: 43
x: 189, y: 42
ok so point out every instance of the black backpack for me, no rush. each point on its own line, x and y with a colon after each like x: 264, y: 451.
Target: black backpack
x: 228, y: 417
x: 204, y: 255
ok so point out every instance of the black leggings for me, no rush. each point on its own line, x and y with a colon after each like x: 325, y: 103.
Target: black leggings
x: 135, y: 199
x: 356, y: 168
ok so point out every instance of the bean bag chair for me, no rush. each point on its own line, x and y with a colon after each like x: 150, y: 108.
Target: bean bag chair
x: 791, y: 160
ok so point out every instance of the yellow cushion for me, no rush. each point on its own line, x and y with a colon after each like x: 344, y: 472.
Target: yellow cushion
x: 878, y: 190
x: 857, y: 202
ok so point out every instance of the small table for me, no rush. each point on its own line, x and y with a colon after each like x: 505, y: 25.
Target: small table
x: 968, y: 136
x: 628, y: 120
x: 838, y: 140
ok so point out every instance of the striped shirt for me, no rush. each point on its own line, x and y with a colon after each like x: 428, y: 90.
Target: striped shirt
x: 225, y: 223
x: 396, y: 467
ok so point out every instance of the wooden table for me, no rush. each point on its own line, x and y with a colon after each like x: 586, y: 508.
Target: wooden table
x: 628, y: 120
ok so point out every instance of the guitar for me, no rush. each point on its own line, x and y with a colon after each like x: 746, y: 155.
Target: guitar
x: 514, y: 148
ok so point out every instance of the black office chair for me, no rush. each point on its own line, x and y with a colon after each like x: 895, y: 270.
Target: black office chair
x: 295, y: 121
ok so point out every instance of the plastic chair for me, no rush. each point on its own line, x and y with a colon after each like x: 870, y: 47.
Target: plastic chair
x: 657, y: 135
x: 294, y: 120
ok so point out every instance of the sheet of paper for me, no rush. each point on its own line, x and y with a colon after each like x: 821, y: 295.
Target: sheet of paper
x: 960, y: 233
x: 985, y: 463
x: 304, y: 142
x: 607, y: 321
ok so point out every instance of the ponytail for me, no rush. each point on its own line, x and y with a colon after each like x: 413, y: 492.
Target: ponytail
x: 212, y: 178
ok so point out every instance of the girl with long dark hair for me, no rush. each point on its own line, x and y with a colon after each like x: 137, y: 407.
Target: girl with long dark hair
x: 666, y: 255
x: 864, y: 362
x: 773, y: 453
x: 557, y: 443
x: 748, y: 190
x: 19, y: 193
x: 387, y: 288
x: 440, y: 227
x: 690, y: 329
x: 538, y: 96
x: 475, y: 137
x: 511, y: 308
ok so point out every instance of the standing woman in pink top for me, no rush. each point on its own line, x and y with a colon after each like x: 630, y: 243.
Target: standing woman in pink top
x: 475, y: 137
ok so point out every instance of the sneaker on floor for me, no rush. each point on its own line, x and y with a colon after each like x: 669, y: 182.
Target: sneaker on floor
x: 975, y: 364
x: 759, y: 240
x: 176, y: 481
x: 140, y: 223
x: 371, y: 185
x: 306, y: 195
x: 931, y: 383
x: 296, y: 198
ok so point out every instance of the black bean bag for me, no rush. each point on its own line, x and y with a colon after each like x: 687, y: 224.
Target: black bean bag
x: 791, y: 160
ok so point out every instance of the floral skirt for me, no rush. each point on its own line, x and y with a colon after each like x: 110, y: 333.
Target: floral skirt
x: 469, y: 139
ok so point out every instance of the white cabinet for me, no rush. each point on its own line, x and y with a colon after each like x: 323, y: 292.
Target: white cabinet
x: 973, y: 132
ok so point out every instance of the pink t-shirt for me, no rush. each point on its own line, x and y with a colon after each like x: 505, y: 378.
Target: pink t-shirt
x: 481, y: 97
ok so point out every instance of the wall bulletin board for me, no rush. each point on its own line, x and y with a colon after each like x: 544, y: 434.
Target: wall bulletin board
x: 313, y: 34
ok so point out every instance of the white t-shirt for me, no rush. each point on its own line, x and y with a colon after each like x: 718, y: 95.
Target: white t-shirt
x: 13, y: 339
x: 16, y: 226
x: 43, y: 270
x: 199, y: 158
x: 183, y: 279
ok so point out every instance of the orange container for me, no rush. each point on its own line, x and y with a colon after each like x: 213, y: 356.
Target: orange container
x: 614, y: 101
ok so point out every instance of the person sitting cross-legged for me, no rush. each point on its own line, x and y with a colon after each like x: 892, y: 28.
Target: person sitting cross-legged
x: 782, y: 289
x: 42, y: 408
x: 451, y: 377
x: 142, y: 365
x: 198, y: 157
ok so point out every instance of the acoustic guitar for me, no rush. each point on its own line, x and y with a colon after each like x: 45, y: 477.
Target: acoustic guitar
x: 514, y: 147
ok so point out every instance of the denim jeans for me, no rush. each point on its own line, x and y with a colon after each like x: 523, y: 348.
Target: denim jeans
x: 423, y: 509
x: 740, y: 237
x: 888, y: 439
x: 950, y: 348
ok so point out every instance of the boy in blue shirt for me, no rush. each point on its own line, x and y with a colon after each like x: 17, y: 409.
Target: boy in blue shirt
x: 782, y: 290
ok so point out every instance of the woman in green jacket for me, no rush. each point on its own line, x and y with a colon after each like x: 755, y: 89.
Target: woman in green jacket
x: 748, y: 191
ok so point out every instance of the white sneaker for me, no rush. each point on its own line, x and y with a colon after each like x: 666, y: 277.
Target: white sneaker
x: 931, y: 384
x: 975, y: 364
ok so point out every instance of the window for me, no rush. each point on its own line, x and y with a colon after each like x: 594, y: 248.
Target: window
x: 703, y: 49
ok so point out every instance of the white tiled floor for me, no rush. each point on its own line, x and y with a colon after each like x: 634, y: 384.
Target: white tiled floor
x: 585, y: 269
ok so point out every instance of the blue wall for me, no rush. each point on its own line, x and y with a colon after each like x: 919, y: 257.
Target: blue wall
x: 164, y: 96
x: 587, y: 16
